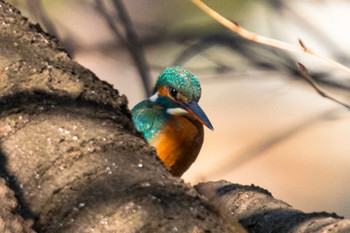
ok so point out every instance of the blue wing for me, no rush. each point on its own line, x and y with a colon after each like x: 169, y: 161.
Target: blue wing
x: 147, y: 119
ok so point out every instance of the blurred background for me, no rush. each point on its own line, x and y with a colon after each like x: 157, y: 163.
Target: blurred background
x: 271, y: 128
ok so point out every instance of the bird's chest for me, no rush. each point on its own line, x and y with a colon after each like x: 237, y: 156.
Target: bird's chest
x: 178, y: 143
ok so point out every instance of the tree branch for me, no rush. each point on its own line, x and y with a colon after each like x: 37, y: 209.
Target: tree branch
x: 258, y: 211
x: 253, y: 151
x: 305, y: 74
x: 70, y: 153
x: 37, y: 11
x: 135, y: 46
x: 131, y: 40
x: 233, y: 26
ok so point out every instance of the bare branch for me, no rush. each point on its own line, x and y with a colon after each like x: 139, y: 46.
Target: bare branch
x: 265, y: 40
x: 257, y: 149
x: 135, y: 46
x: 304, y: 72
x: 130, y: 40
x: 35, y: 8
x: 37, y: 11
x: 102, y: 9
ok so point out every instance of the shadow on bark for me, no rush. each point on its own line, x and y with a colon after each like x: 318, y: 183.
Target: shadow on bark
x: 72, y: 155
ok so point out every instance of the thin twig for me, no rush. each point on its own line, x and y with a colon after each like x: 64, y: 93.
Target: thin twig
x: 307, y: 25
x: 131, y: 41
x: 37, y: 11
x: 257, y: 149
x: 35, y: 8
x: 304, y: 72
x: 246, y: 48
x: 134, y: 46
x: 103, y: 11
x: 265, y: 40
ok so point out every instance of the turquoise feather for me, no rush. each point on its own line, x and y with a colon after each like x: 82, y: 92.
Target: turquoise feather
x: 182, y: 80
x: 172, y: 121
x: 149, y: 120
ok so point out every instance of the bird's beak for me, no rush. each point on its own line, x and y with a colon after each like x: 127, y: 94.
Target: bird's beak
x: 195, y: 110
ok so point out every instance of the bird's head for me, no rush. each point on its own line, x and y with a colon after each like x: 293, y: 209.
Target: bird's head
x: 179, y: 91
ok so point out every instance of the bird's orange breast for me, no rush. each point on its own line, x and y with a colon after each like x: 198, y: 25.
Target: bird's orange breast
x: 178, y: 143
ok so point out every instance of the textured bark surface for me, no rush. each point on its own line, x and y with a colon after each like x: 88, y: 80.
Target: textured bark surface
x: 9, y: 220
x: 72, y: 161
x: 258, y: 211
x: 70, y: 152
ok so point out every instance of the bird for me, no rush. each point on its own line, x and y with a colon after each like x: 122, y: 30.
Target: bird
x: 171, y: 119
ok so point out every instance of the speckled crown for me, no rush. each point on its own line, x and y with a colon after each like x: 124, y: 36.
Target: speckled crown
x: 182, y: 80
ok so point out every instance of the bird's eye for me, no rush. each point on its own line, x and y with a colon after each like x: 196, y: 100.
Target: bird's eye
x: 173, y: 92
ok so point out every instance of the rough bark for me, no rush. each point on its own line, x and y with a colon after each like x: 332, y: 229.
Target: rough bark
x: 70, y: 152
x: 72, y: 161
x: 9, y: 220
x: 258, y: 211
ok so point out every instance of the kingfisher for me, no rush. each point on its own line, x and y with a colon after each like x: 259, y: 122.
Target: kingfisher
x: 171, y: 119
